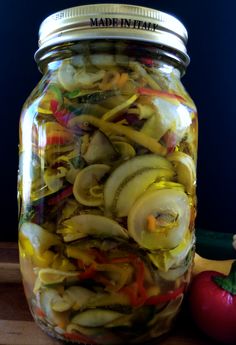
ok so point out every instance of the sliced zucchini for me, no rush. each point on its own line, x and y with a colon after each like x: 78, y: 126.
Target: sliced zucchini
x: 125, y: 150
x: 79, y: 296
x: 46, y: 300
x: 127, y: 169
x: 170, y: 211
x: 92, y: 225
x: 173, y: 273
x: 61, y: 304
x: 71, y: 78
x: 165, y: 259
x: 130, y: 190
x: 39, y: 238
x: 100, y: 149
x: 108, y: 299
x: 48, y: 276
x: 95, y: 317
x: 85, y: 183
x: 186, y: 170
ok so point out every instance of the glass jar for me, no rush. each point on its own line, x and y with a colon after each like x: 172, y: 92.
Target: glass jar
x: 107, y: 177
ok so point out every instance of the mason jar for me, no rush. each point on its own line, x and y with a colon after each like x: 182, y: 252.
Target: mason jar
x: 107, y: 176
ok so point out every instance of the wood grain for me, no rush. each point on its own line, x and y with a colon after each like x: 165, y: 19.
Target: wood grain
x: 23, y: 333
x: 18, y: 328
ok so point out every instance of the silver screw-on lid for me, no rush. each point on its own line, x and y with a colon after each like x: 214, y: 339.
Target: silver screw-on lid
x: 112, y: 21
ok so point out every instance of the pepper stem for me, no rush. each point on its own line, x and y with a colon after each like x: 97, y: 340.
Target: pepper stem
x: 228, y: 283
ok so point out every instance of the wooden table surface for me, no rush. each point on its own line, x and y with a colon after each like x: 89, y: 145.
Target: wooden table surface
x: 18, y: 328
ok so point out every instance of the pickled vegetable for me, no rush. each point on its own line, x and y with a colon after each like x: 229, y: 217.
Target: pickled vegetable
x: 108, y: 205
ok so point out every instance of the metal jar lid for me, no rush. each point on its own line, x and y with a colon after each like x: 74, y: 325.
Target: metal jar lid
x: 112, y: 21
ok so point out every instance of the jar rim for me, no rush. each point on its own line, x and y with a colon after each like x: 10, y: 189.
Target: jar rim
x: 113, y: 21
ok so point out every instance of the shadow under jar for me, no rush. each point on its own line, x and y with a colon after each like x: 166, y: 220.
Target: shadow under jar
x: 107, y: 177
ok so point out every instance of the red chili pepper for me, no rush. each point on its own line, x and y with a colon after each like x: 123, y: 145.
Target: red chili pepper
x: 80, y: 338
x: 89, y: 272
x: 60, y: 196
x: 164, y: 298
x: 159, y: 93
x: 212, y: 301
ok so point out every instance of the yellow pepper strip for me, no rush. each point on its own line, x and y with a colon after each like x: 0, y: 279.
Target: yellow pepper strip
x: 123, y: 79
x: 138, y: 137
x: 63, y: 264
x: 44, y: 111
x: 151, y: 223
x: 44, y: 260
x: 83, y: 255
x: 113, y: 113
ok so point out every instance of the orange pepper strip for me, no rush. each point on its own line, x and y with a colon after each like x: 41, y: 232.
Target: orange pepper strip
x: 159, y: 93
x: 123, y: 79
x: 151, y: 223
x: 136, y: 291
x: 123, y: 260
x: 61, y: 324
x: 89, y: 272
x: 170, y: 295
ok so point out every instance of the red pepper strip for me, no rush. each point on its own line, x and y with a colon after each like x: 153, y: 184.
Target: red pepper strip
x: 131, y: 291
x: 80, y: 338
x: 123, y: 260
x: 142, y: 296
x: 99, y: 256
x: 80, y: 264
x: 54, y: 104
x: 39, y: 312
x: 136, y: 291
x: 158, y: 299
x: 58, y: 138
x: 62, y: 116
x: 88, y: 273
x: 159, y: 93
x: 147, y: 61
x: 60, y: 196
x: 100, y: 278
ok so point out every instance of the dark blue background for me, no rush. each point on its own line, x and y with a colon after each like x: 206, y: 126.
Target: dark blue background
x: 210, y: 79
